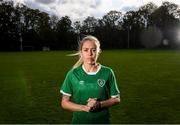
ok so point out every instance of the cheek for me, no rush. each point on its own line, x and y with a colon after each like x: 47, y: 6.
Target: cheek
x: 82, y: 55
x: 95, y: 54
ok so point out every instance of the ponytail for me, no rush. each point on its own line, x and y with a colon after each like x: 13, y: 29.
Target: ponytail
x: 79, y: 62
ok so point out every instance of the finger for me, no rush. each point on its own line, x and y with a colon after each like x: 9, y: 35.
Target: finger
x: 89, y: 99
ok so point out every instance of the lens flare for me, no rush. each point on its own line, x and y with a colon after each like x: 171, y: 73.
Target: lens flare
x: 165, y: 42
x: 178, y: 36
x: 151, y: 37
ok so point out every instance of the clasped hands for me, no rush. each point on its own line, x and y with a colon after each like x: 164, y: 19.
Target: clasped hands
x: 93, y: 105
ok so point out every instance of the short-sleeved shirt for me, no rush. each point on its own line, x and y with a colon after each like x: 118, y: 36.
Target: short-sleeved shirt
x: 81, y: 86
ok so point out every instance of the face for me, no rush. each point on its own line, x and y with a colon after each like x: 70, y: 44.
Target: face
x: 88, y: 52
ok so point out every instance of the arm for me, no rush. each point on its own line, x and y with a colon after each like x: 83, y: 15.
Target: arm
x: 110, y: 102
x: 67, y: 104
x: 96, y: 105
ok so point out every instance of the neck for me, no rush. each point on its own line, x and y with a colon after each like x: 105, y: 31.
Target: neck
x: 91, y: 67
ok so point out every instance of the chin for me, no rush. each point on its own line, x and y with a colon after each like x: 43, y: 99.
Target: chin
x: 91, y: 63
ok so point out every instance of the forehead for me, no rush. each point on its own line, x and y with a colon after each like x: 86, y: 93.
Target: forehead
x: 89, y: 44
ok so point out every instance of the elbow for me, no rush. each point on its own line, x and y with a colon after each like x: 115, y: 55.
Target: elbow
x: 118, y: 100
x: 63, y: 104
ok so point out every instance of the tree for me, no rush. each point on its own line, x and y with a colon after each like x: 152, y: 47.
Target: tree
x: 144, y: 13
x: 89, y: 25
x: 166, y: 18
x: 144, y: 22
x: 77, y: 27
x: 66, y: 36
x: 112, y: 18
x: 21, y: 25
x: 8, y: 26
x: 131, y: 25
x: 110, y: 28
x: 45, y: 29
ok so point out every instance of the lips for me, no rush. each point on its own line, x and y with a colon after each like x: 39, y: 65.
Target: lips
x: 90, y: 58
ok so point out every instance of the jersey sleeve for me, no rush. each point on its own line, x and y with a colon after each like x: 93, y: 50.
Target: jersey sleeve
x: 66, y: 88
x: 114, y: 91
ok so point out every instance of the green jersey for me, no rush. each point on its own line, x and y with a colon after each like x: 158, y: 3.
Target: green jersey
x: 81, y: 86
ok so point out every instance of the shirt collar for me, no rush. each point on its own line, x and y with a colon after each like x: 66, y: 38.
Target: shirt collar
x: 92, y: 73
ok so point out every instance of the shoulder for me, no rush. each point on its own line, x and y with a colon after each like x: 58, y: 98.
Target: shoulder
x: 108, y: 72
x: 106, y: 68
x: 74, y: 71
x: 77, y: 69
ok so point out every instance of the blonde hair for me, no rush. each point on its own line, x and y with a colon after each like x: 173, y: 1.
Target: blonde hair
x: 90, y: 38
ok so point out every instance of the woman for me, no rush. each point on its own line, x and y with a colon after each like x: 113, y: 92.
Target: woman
x: 90, y: 88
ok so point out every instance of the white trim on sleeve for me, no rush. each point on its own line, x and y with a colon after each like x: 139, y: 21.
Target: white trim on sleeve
x: 64, y: 93
x: 115, y: 96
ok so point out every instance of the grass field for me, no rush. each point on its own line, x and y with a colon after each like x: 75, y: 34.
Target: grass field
x: 149, y: 82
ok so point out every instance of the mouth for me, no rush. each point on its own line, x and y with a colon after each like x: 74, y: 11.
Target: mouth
x: 90, y: 59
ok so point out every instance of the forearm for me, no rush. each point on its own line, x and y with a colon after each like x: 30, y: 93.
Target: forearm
x: 109, y: 102
x: 73, y: 106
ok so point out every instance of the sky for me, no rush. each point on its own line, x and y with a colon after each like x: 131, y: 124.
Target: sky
x: 80, y: 9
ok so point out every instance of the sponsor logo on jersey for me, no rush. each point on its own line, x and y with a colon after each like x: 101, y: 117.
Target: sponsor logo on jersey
x: 101, y: 82
x: 81, y: 82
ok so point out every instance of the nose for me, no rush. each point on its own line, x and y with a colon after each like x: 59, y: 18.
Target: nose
x: 90, y: 53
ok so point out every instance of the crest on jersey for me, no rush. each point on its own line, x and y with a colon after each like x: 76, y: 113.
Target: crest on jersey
x: 101, y: 82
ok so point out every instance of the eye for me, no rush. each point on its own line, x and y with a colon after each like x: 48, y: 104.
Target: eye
x: 94, y: 50
x: 85, y: 50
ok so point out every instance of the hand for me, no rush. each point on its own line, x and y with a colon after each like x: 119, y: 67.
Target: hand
x: 91, y: 102
x: 85, y: 108
x: 94, y: 104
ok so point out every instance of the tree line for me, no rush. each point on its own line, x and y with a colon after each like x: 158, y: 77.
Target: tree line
x: 23, y: 28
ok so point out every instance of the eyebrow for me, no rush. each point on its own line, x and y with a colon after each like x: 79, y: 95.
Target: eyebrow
x: 88, y: 48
